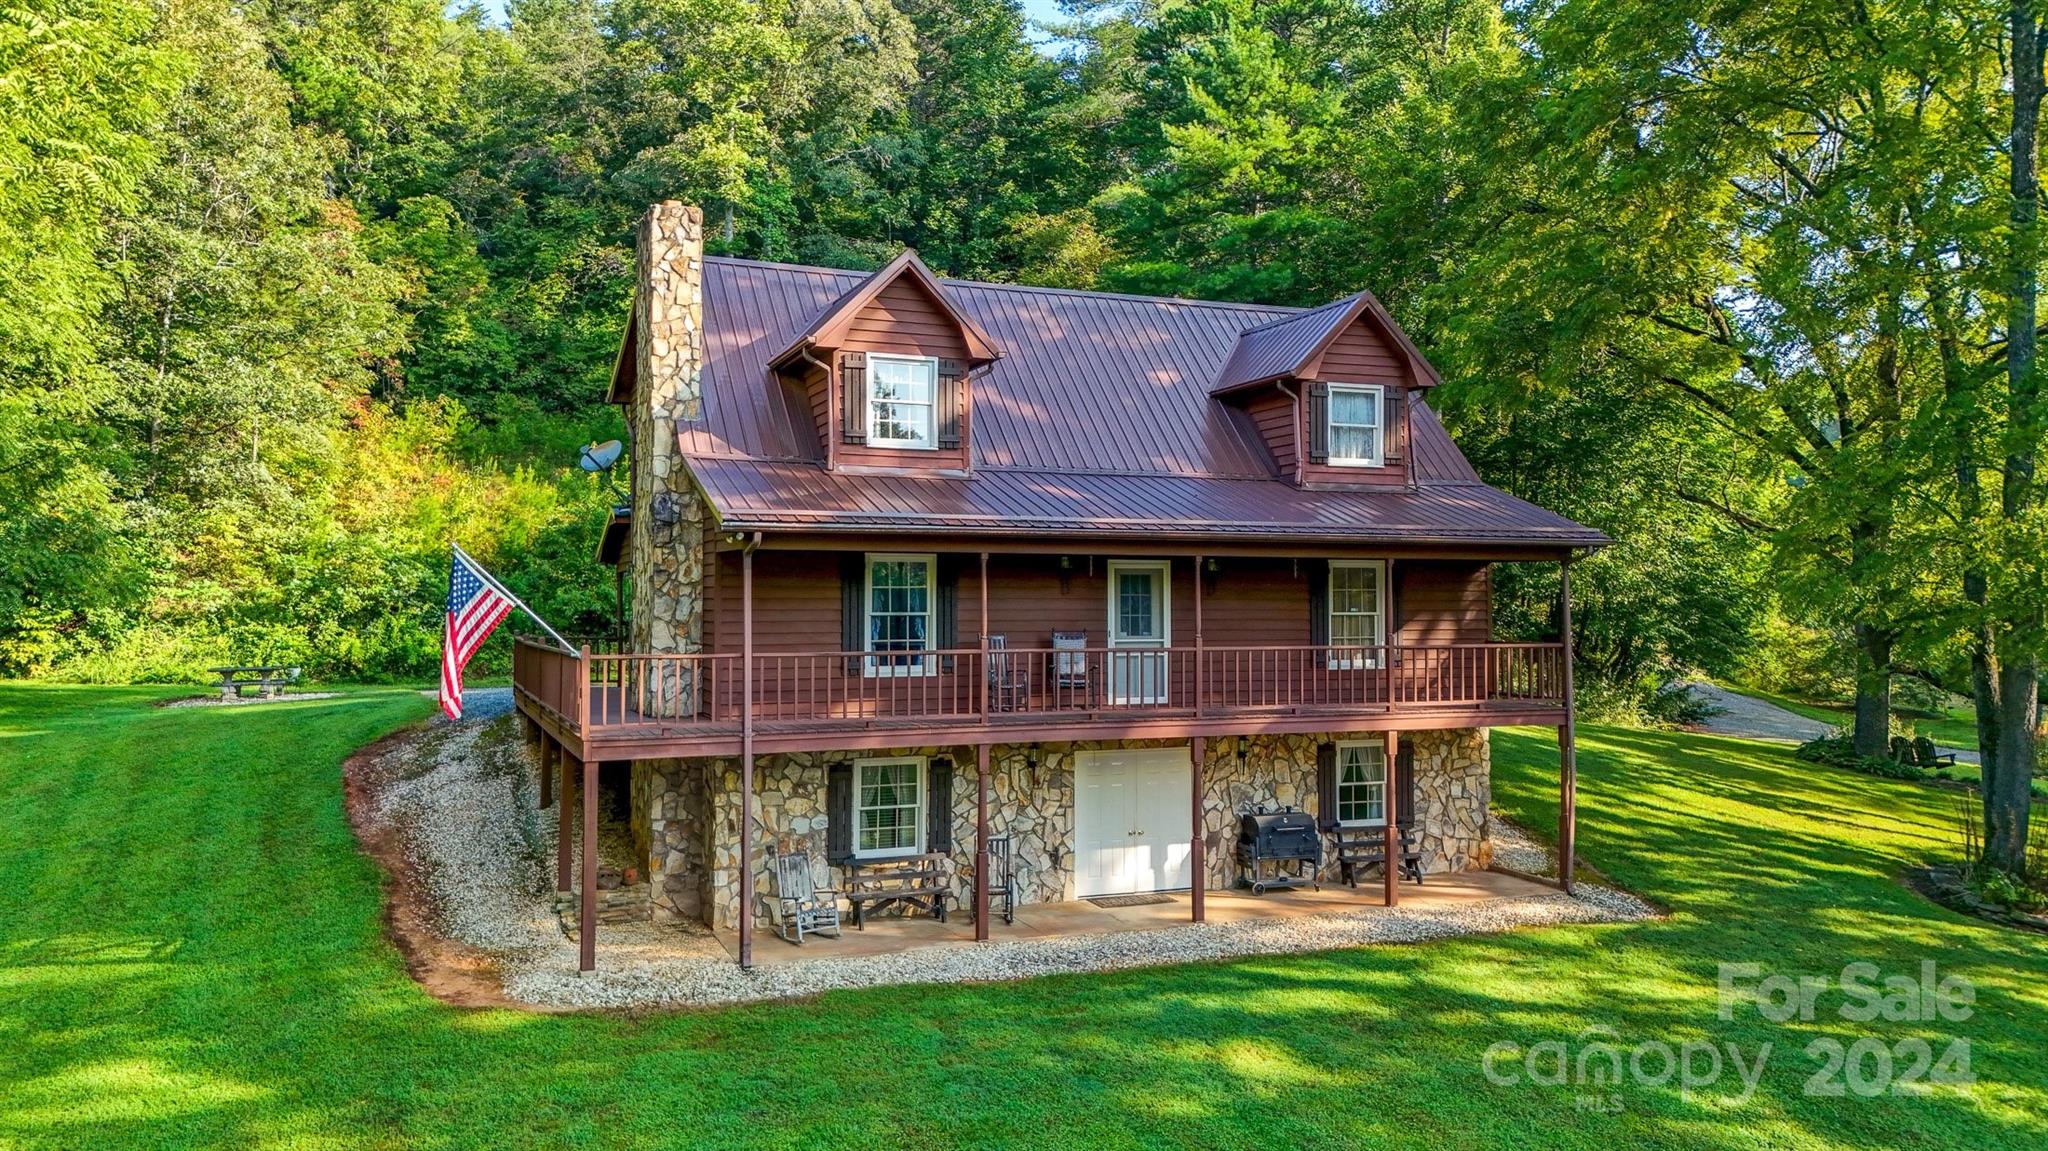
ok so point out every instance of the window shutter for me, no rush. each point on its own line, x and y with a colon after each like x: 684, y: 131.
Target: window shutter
x: 938, y: 806
x: 1326, y: 783
x: 1394, y: 423
x: 1404, y: 764
x: 952, y: 393
x: 853, y: 397
x: 946, y: 608
x: 1319, y: 423
x: 1318, y: 572
x: 839, y: 813
x: 853, y: 580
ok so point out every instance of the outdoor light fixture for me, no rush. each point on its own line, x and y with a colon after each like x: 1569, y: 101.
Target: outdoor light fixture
x: 665, y: 511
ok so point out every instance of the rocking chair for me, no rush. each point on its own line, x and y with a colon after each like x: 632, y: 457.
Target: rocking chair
x: 798, y: 904
x: 1002, y: 879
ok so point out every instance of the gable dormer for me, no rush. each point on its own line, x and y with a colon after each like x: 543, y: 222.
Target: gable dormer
x: 1330, y: 391
x: 887, y: 371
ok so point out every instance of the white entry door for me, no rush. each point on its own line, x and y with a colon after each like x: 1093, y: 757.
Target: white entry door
x: 1132, y: 821
x: 1138, y: 631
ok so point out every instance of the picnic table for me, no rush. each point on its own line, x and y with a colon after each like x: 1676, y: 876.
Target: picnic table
x: 269, y: 679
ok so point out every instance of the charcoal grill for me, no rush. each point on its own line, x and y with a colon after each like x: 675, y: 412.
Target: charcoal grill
x: 1277, y: 849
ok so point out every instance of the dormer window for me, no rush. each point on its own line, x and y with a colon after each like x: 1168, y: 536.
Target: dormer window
x: 1356, y: 415
x: 902, y: 393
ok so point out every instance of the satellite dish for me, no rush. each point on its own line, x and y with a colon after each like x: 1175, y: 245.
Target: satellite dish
x: 601, y: 457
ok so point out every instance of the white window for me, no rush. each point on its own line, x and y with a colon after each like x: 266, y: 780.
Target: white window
x: 901, y: 401
x: 1362, y: 784
x: 888, y: 807
x: 1354, y: 418
x: 1357, y: 612
x: 899, y: 614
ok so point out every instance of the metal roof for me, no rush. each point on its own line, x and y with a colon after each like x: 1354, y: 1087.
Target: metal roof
x: 1098, y: 416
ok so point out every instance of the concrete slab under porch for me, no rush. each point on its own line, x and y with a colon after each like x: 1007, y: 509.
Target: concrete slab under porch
x: 892, y: 934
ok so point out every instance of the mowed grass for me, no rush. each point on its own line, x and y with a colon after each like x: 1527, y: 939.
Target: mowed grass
x: 190, y: 956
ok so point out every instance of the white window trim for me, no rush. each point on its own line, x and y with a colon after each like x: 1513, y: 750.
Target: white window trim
x: 1379, y: 399
x: 1165, y: 570
x: 1385, y: 796
x: 917, y: 825
x: 875, y: 666
x: 931, y: 443
x: 1373, y: 656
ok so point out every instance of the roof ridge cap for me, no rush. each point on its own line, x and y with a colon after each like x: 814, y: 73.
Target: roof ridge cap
x: 1300, y: 314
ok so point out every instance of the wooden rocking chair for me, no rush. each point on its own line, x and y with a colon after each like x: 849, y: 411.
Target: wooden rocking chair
x: 798, y: 904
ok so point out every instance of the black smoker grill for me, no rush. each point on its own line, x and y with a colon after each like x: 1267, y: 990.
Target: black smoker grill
x: 1278, y: 849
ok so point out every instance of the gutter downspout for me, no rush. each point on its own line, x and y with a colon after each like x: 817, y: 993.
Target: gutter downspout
x: 1294, y: 428
x: 831, y: 409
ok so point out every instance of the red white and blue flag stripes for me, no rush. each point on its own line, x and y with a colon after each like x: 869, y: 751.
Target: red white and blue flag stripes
x: 475, y: 606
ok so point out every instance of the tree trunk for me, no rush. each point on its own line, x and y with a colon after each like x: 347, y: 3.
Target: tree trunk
x: 2009, y: 771
x: 2007, y: 791
x: 1873, y: 690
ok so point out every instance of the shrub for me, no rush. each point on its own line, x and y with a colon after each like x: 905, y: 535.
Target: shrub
x: 1837, y: 751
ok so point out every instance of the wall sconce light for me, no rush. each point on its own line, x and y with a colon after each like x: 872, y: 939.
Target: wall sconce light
x: 1066, y: 568
x: 1213, y: 565
x: 665, y: 511
x: 1243, y: 754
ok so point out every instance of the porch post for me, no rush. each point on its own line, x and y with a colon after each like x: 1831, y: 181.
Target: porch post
x: 985, y: 668
x: 547, y: 769
x: 1198, y: 871
x: 746, y: 878
x: 1390, y: 807
x: 1567, y: 741
x: 565, y: 807
x: 586, y: 928
x: 1201, y: 669
x: 981, y: 842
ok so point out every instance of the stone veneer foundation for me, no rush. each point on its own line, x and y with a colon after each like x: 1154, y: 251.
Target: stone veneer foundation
x: 691, y: 811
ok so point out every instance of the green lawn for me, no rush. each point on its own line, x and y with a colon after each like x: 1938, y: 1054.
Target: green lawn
x: 190, y: 956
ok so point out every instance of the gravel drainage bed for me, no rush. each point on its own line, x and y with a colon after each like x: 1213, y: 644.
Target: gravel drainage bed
x: 463, y: 803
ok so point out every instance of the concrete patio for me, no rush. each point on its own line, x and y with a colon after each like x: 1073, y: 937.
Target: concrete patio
x: 890, y: 934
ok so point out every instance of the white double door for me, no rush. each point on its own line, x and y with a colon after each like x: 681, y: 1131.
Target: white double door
x: 1132, y: 821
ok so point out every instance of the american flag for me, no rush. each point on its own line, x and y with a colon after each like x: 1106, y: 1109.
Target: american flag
x: 475, y: 605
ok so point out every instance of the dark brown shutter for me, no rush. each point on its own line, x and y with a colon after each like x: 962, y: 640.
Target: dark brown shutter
x: 853, y: 580
x: 1318, y: 572
x: 1394, y: 420
x: 853, y: 397
x: 1404, y: 765
x: 1319, y: 423
x: 952, y: 390
x: 839, y: 813
x: 938, y: 806
x: 946, y: 608
x: 1326, y: 783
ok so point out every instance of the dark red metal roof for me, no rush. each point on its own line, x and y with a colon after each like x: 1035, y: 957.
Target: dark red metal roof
x: 1098, y: 417
x: 1286, y: 347
x: 824, y: 329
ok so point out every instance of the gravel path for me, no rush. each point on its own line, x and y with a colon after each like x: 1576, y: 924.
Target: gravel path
x: 1753, y: 718
x: 464, y: 805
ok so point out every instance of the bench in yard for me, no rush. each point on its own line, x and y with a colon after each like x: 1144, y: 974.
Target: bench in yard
x: 920, y: 882
x: 267, y: 679
x: 1361, y: 847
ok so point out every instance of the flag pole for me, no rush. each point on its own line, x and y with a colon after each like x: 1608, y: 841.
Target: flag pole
x: 516, y: 601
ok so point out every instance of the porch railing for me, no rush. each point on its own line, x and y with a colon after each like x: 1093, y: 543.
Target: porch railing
x: 619, y: 691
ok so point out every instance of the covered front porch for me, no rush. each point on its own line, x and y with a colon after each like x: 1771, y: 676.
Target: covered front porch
x: 894, y: 935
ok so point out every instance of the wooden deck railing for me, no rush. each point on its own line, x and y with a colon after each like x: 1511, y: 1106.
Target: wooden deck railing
x: 626, y: 692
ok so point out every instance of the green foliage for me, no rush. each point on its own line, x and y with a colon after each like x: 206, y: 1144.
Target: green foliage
x: 1838, y: 751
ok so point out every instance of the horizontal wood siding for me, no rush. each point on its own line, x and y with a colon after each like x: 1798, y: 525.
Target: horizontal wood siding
x: 1248, y: 602
x: 1360, y: 355
x: 1273, y: 413
x: 904, y: 321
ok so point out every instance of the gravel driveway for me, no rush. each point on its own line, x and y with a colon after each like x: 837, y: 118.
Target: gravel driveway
x: 1752, y: 718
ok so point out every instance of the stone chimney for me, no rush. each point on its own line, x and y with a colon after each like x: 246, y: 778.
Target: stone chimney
x: 667, y: 553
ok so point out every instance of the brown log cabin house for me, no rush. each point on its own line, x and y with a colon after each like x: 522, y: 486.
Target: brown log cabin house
x: 918, y: 562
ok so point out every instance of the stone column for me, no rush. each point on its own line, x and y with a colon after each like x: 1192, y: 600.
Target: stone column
x: 668, y: 520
